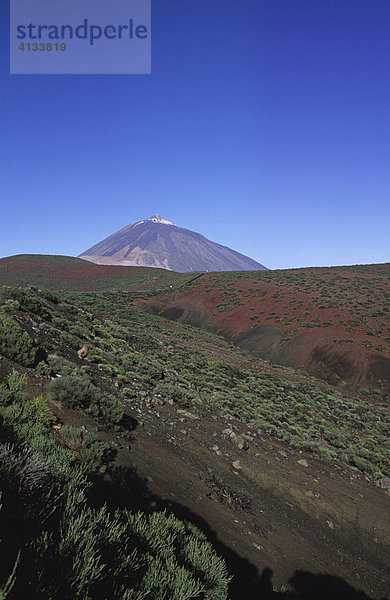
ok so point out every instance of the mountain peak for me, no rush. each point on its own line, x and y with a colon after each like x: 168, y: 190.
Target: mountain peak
x: 173, y: 248
x: 158, y: 219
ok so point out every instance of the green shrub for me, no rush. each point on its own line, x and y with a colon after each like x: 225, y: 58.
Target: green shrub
x: 49, y: 295
x: 179, y: 395
x: 75, y: 391
x: 89, y: 450
x: 181, y: 563
x: 97, y: 554
x: 29, y: 301
x: 80, y: 392
x: 15, y: 343
x: 364, y: 391
x: 78, y: 331
x: 28, y: 419
x: 366, y: 466
x: 326, y: 453
x: 10, y: 306
x: 130, y: 392
x: 61, y: 365
x: 109, y: 408
x: 151, y: 368
x: 43, y: 369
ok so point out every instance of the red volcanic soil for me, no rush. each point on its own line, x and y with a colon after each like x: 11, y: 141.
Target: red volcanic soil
x: 334, y: 322
x: 74, y: 274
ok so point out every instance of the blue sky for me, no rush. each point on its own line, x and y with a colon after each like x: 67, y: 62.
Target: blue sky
x: 265, y: 126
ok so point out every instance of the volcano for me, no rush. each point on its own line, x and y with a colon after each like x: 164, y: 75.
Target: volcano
x: 156, y: 242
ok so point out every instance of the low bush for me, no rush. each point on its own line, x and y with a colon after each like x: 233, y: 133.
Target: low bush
x: 15, y: 343
x: 43, y: 369
x: 80, y: 392
x: 87, y: 448
x: 29, y: 300
x: 108, y: 408
x: 75, y: 391
x: 61, y: 366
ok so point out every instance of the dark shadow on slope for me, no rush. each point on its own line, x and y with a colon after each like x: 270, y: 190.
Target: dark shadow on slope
x: 323, y: 587
x: 123, y: 487
x: 262, y: 341
x: 128, y: 423
x: 307, y: 586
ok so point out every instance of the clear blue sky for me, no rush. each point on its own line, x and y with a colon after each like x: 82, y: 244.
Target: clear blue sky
x: 265, y: 126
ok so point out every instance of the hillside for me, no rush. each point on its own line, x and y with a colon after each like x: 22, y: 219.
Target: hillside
x: 161, y: 416
x: 74, y: 274
x: 156, y: 242
x: 333, y: 322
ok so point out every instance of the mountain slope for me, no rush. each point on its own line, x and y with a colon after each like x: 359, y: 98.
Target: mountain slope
x: 156, y: 242
x: 334, y: 322
x: 74, y: 274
